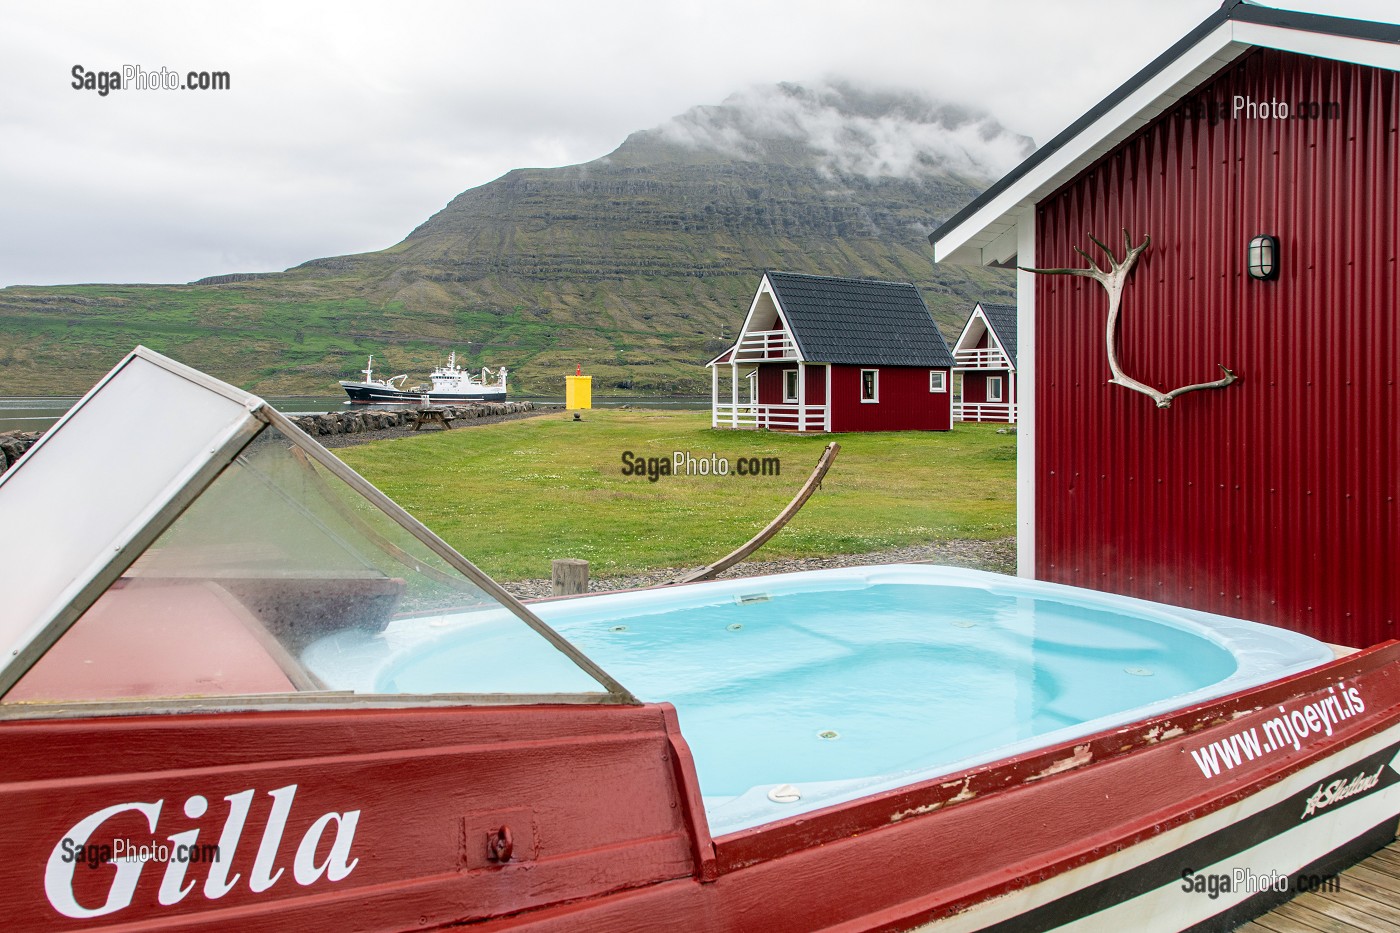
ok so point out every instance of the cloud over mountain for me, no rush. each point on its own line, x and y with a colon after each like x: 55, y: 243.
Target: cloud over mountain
x: 847, y: 130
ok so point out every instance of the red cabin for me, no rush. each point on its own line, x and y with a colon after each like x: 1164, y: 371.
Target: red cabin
x: 1260, y: 156
x: 984, y: 365
x: 818, y: 353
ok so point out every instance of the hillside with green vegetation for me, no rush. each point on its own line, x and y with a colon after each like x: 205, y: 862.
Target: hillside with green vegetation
x: 513, y: 496
x: 638, y: 266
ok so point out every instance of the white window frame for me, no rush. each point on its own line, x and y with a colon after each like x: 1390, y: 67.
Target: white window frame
x: 1001, y: 389
x: 790, y: 382
x: 875, y: 399
x: 938, y: 380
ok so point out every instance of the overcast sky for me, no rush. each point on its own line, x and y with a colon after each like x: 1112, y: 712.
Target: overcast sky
x: 349, y: 123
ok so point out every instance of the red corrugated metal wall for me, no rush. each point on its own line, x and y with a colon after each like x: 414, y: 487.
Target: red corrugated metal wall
x: 1275, y: 498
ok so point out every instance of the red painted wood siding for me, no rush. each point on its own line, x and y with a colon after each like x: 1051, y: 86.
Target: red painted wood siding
x: 816, y: 385
x: 770, y: 383
x: 905, y: 403
x: 1273, y: 499
x: 975, y: 385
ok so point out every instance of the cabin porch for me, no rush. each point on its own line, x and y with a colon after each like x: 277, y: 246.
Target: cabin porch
x: 776, y: 396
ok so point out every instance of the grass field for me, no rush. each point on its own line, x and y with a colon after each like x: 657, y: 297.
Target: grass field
x: 514, y: 496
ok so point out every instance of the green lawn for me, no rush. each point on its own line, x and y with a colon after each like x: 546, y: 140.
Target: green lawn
x: 513, y: 496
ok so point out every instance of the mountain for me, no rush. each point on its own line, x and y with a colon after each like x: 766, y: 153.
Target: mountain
x: 638, y: 266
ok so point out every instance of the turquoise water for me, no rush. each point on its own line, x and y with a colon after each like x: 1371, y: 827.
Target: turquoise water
x: 908, y: 677
x: 842, y: 683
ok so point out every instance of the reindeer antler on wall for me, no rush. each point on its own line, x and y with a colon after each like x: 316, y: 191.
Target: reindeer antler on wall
x: 1112, y: 280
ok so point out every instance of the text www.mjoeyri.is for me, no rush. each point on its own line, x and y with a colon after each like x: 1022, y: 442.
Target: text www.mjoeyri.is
x: 1289, y: 729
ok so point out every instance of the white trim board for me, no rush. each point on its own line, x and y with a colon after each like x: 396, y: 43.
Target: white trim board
x: 984, y: 237
x: 978, y: 312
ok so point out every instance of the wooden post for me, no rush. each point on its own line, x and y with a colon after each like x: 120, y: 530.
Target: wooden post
x: 714, y: 395
x: 801, y: 395
x: 734, y: 389
x: 827, y: 422
x: 570, y: 576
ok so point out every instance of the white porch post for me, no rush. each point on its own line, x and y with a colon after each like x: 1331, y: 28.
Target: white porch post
x: 1011, y: 395
x: 714, y: 395
x: 801, y: 395
x: 826, y: 422
x: 734, y: 393
x: 1025, y: 424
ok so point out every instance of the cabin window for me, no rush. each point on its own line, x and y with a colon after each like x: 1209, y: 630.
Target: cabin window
x: 870, y: 385
x: 994, y: 388
x: 789, y: 385
x: 937, y: 380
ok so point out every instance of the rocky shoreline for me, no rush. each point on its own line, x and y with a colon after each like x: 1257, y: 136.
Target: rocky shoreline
x: 998, y: 555
x: 343, y: 428
x: 13, y: 444
x: 405, y: 428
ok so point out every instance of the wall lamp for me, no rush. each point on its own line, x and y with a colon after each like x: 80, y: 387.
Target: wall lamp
x: 1262, y: 257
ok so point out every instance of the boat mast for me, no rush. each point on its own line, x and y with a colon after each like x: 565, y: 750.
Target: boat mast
x: 369, y: 369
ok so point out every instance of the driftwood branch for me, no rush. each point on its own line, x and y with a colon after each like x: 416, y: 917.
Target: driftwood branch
x: 1112, y: 279
x: 753, y: 544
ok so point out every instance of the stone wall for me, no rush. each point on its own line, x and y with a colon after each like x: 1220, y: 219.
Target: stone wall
x: 353, y: 422
x: 14, y: 444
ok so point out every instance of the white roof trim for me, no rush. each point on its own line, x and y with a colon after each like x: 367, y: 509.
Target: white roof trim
x: 977, y: 312
x: 1336, y: 48
x: 767, y: 286
x: 763, y: 286
x: 981, y: 239
x: 968, y: 242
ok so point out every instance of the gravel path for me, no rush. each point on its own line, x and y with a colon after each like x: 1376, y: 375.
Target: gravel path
x: 998, y: 555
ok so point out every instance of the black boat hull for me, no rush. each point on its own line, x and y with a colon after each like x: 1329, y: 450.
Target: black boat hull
x: 363, y: 394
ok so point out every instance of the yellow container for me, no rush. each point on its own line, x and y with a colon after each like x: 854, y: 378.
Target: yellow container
x: 578, y: 392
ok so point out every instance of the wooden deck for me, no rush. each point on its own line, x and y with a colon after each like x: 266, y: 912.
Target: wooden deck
x: 1368, y: 902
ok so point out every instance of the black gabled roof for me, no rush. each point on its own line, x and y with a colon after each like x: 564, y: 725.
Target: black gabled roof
x: 1237, y: 10
x: 1003, y: 321
x: 860, y: 322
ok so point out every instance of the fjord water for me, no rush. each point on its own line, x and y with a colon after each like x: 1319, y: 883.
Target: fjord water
x: 37, y: 413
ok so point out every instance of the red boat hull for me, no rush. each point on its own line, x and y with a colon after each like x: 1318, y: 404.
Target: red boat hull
x: 393, y: 819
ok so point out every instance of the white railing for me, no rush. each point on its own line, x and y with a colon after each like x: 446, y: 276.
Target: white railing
x: 766, y: 345
x: 770, y: 417
x: 984, y: 411
x: 985, y: 358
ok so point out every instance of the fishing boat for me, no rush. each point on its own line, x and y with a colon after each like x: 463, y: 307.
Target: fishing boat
x: 450, y: 383
x: 242, y: 688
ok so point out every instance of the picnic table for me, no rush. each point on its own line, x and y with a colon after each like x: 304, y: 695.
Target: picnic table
x: 422, y: 416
